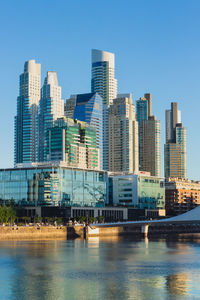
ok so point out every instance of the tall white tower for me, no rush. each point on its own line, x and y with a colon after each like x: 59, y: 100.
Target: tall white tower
x: 104, y: 83
x: 27, y: 110
x: 51, y: 108
x: 103, y: 75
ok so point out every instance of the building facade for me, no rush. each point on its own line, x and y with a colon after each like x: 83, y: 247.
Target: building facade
x: 137, y: 190
x: 103, y: 75
x: 105, y: 84
x: 149, y: 137
x: 181, y: 195
x: 89, y: 108
x: 175, y: 147
x: 123, y: 135
x: 25, y: 145
x: 72, y: 142
x: 52, y: 185
x: 70, y: 106
x: 51, y: 108
x: 151, y: 150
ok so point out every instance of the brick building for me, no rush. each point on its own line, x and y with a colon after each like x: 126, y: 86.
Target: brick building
x: 181, y: 195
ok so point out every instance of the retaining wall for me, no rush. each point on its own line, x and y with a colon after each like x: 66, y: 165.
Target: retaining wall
x: 40, y: 232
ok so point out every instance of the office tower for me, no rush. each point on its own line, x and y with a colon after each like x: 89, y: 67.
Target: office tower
x: 104, y: 83
x: 72, y: 142
x: 149, y: 137
x: 51, y: 108
x: 123, y: 135
x: 89, y: 108
x: 103, y: 75
x: 175, y: 146
x: 27, y: 110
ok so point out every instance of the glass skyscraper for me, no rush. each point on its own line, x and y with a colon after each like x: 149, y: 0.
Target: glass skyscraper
x: 104, y: 83
x: 89, y: 108
x: 25, y: 146
x: 51, y: 108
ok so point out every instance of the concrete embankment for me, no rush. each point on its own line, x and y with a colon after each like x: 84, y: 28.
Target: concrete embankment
x: 141, y: 230
x: 67, y: 232
x: 40, y: 232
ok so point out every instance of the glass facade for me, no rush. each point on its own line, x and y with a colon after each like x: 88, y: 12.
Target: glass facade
x: 51, y: 108
x: 138, y: 191
x: 53, y: 186
x: 26, y: 122
x: 74, y: 142
x: 142, y: 110
x: 89, y: 109
x: 151, y: 193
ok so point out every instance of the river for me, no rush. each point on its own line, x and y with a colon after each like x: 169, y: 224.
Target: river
x: 100, y: 269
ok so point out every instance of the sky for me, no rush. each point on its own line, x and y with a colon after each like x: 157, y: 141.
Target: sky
x: 156, y: 45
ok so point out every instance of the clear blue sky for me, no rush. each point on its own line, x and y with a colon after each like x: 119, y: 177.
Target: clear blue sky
x: 156, y: 43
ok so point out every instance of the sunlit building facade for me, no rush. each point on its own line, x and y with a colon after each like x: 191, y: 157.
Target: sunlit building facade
x: 149, y: 137
x: 72, y: 142
x: 105, y: 84
x: 89, y: 108
x: 137, y: 190
x: 175, y: 150
x: 26, y: 127
x: 51, y: 108
x: 123, y: 135
x: 52, y: 185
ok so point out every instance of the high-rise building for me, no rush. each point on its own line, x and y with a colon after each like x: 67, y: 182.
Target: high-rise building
x: 175, y: 146
x: 51, y: 108
x: 89, y: 108
x: 27, y: 111
x: 149, y: 137
x: 72, y: 142
x: 103, y: 75
x: 104, y: 83
x: 151, y: 151
x: 123, y: 135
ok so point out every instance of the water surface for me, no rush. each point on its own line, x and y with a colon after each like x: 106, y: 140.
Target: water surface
x: 100, y: 269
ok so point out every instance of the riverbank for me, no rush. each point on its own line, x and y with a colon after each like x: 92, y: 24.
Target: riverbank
x: 40, y: 232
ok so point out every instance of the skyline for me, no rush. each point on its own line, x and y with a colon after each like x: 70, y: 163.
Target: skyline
x: 172, y: 50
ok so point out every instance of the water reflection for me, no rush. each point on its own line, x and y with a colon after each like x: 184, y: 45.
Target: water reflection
x: 100, y: 269
x: 177, y: 284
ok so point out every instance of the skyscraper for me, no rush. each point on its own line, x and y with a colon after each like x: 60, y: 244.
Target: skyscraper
x: 27, y: 109
x: 175, y: 147
x: 51, y: 108
x: 149, y: 137
x: 89, y: 108
x: 103, y: 75
x: 123, y: 135
x: 104, y: 83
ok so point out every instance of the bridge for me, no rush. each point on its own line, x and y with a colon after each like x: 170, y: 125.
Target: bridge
x: 181, y: 223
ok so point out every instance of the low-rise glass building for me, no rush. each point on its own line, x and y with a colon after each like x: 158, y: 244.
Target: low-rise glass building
x: 53, y: 185
x: 136, y: 190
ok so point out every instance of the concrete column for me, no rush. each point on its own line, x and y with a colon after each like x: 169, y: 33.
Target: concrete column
x: 144, y: 230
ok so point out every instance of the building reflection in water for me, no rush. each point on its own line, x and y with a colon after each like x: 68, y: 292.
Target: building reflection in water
x: 99, y: 269
x: 177, y: 284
